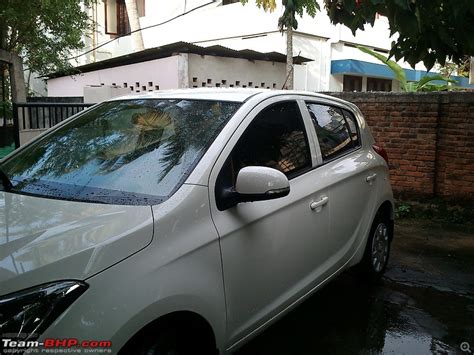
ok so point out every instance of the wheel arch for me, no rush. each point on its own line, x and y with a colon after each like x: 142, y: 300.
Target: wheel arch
x: 184, y: 321
x: 386, y: 208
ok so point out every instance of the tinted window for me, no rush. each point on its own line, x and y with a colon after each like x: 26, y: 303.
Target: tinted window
x: 125, y: 152
x: 352, y: 124
x: 276, y: 139
x: 332, y: 130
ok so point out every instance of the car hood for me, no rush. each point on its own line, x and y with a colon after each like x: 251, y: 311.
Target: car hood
x: 44, y: 240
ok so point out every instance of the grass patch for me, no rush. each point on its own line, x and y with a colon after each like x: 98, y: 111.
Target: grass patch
x: 437, y: 210
x: 4, y: 151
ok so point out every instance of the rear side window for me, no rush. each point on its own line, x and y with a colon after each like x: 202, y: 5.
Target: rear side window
x: 352, y: 124
x: 337, y: 132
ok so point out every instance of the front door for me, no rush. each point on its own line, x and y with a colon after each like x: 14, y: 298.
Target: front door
x: 272, y: 251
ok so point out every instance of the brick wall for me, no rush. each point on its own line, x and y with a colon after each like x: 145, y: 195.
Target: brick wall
x: 429, y: 138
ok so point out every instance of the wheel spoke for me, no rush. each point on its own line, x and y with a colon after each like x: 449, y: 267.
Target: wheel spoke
x: 380, y: 243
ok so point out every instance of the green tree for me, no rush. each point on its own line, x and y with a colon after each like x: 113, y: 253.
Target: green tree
x: 42, y: 34
x: 428, y: 30
x: 461, y: 69
x: 289, y: 23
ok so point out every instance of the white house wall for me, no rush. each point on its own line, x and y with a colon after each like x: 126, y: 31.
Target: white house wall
x: 311, y: 76
x: 159, y: 73
x: 216, y: 22
x: 181, y: 71
x: 241, y: 27
x: 210, y: 71
x: 208, y: 23
x: 107, y: 48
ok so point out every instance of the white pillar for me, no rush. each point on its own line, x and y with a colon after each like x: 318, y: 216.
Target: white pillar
x: 137, y: 39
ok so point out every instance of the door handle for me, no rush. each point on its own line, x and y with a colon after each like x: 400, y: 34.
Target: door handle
x: 314, y: 205
x: 371, y: 177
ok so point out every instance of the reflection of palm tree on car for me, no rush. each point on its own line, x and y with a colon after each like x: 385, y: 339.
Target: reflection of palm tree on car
x: 176, y: 130
x: 150, y: 126
x: 333, y: 135
x: 114, y: 135
x: 325, y: 137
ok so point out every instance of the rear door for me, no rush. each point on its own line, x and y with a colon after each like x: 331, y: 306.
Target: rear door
x: 350, y: 169
x: 272, y: 251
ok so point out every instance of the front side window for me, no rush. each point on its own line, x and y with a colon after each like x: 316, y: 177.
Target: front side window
x: 123, y: 152
x: 335, y: 135
x: 276, y: 138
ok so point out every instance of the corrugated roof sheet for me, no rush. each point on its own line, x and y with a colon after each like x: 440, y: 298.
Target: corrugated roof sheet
x: 180, y: 47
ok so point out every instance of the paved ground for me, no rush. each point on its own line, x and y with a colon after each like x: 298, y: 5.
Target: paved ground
x: 424, y: 304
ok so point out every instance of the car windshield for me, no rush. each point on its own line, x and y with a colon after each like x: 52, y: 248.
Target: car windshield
x: 123, y: 152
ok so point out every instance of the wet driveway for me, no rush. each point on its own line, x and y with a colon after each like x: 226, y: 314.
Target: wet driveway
x: 423, y: 305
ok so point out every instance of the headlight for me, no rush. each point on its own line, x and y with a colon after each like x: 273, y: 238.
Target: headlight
x: 26, y: 314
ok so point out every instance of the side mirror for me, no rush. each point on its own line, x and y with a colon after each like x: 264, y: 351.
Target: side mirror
x: 258, y: 183
x: 255, y: 183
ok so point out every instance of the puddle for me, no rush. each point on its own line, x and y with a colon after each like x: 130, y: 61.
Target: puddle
x: 424, y: 304
x: 413, y: 344
x: 351, y: 317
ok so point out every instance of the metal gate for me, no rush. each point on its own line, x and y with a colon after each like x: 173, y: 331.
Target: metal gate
x: 32, y: 118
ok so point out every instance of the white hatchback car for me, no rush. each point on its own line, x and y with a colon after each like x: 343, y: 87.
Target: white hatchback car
x: 186, y: 221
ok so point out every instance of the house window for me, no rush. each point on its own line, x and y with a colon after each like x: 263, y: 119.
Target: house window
x: 374, y: 84
x: 352, y: 83
x: 227, y: 2
x: 116, y: 18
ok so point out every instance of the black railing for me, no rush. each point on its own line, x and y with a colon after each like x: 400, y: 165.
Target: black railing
x: 39, y: 115
x: 42, y: 115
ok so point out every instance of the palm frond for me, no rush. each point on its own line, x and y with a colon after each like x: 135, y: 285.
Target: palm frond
x: 396, y: 69
x: 422, y: 83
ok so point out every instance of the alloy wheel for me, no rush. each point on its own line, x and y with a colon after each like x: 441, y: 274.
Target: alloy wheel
x: 380, y: 245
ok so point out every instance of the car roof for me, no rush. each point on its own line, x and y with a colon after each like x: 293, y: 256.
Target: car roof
x: 219, y: 94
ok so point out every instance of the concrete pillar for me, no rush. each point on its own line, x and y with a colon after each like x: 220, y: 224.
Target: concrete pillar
x: 183, y: 71
x: 137, y: 38
x: 15, y: 68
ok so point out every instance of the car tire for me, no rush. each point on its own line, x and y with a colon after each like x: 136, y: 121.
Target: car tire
x: 170, y: 338
x: 377, y: 250
x: 164, y: 343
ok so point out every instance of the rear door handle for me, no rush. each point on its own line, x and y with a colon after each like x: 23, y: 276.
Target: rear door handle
x: 371, y: 177
x: 314, y: 205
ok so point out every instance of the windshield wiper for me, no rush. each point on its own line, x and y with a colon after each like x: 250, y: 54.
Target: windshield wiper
x: 7, y: 184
